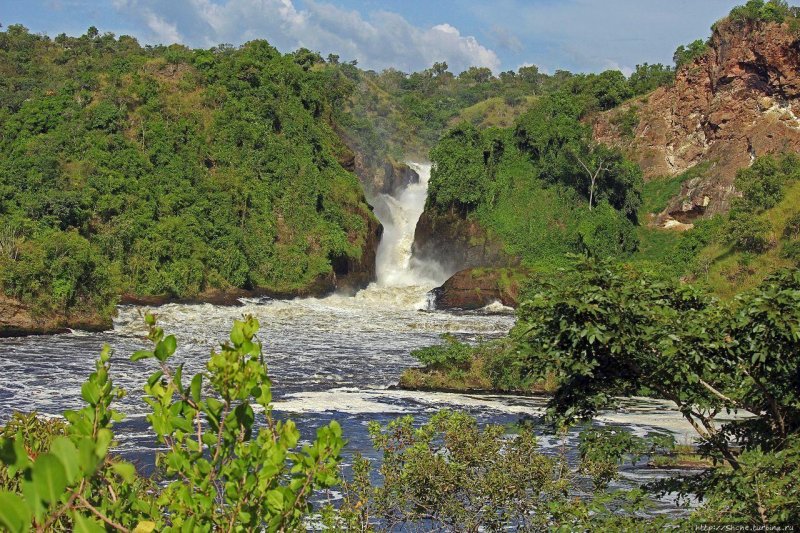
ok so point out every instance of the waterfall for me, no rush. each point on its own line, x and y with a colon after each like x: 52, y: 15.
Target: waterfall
x: 401, y: 278
x: 399, y: 215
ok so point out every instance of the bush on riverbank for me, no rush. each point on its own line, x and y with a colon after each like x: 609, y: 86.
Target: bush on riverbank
x: 457, y: 366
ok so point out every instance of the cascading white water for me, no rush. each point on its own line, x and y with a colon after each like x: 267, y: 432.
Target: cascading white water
x: 399, y: 216
x: 402, y: 279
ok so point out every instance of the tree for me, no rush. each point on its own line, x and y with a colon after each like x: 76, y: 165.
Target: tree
x: 649, y: 77
x: 439, y: 69
x: 611, y: 332
x: 686, y: 54
x: 598, y: 169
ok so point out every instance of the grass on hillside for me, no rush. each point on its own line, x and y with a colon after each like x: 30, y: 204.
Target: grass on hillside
x: 494, y: 112
x: 657, y: 193
x: 731, y: 271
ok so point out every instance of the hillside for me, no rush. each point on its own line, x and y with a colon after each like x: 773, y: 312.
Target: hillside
x: 165, y: 172
x: 737, y: 100
x: 703, y: 144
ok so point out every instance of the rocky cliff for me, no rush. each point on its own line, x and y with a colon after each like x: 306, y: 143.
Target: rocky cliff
x: 738, y: 101
x: 457, y: 242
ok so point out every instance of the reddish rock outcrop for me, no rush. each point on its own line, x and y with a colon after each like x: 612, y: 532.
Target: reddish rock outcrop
x: 737, y: 102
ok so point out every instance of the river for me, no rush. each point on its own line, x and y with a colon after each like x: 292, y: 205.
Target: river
x: 330, y: 358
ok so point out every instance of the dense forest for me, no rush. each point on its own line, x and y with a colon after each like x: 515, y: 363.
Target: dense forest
x: 169, y: 171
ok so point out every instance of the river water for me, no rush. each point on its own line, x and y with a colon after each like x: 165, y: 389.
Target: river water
x: 330, y: 358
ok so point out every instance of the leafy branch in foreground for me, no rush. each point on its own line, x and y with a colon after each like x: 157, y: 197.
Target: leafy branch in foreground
x: 227, y: 473
x: 225, y: 469
x: 74, y: 483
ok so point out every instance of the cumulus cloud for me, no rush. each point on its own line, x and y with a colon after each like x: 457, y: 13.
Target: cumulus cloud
x: 163, y: 31
x: 379, y: 40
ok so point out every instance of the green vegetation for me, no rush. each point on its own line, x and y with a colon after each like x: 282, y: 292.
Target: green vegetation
x: 757, y: 236
x: 657, y: 193
x: 458, y: 366
x: 221, y: 467
x: 450, y: 474
x: 405, y: 114
x: 605, y: 331
x: 544, y: 187
x: 126, y: 169
x: 761, y: 11
x: 687, y: 54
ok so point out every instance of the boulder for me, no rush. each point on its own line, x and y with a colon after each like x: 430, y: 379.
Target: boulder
x: 475, y: 288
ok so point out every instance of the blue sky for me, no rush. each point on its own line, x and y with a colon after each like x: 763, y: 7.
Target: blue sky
x: 576, y: 35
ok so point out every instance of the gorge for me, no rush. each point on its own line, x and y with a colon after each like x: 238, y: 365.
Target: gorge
x: 332, y: 358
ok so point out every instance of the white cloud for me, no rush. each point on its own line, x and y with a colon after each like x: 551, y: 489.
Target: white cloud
x: 379, y: 41
x: 165, y: 32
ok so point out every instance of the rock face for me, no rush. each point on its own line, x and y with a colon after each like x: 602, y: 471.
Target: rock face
x: 476, y: 288
x: 351, y: 275
x: 737, y: 102
x: 394, y: 177
x: 457, y: 243
x: 17, y: 319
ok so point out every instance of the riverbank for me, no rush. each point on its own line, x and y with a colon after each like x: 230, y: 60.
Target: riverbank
x: 20, y: 319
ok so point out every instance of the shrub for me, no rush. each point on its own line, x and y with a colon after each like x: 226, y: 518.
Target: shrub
x: 686, y: 54
x: 749, y: 234
x: 220, y: 464
x: 791, y: 251
x: 762, y: 184
x: 451, y: 474
x: 450, y: 354
x: 792, y: 228
x: 761, y: 11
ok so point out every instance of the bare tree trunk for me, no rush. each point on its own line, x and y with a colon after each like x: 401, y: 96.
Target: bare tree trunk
x: 593, y: 175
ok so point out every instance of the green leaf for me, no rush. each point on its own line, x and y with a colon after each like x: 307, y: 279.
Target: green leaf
x: 237, y: 335
x: 105, y: 354
x: 14, y: 515
x: 125, y: 470
x: 197, y: 384
x: 275, y: 500
x: 145, y: 526
x: 166, y: 348
x: 150, y: 319
x: 154, y: 377
x: 67, y: 453
x: 142, y: 354
x: 49, y: 477
x: 85, y: 524
x: 90, y: 392
x: 33, y: 499
x: 104, y: 437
